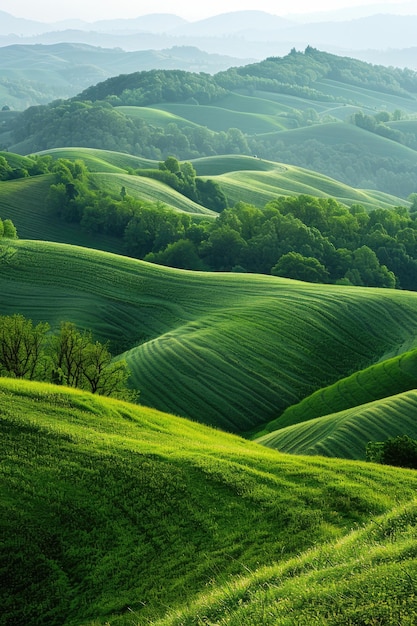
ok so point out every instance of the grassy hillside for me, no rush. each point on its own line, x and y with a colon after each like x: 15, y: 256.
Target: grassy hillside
x: 101, y: 160
x: 387, y: 378
x: 219, y: 119
x: 23, y: 201
x: 259, y: 187
x: 113, y: 513
x: 345, y: 434
x: 231, y: 350
x: 364, y: 578
x: 150, y: 189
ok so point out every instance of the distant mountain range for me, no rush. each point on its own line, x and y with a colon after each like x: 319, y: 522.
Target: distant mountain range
x: 363, y: 32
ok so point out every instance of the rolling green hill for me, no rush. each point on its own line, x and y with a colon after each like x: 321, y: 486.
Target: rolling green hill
x: 113, y: 513
x: 390, y: 377
x: 231, y: 350
x: 296, y: 109
x: 365, y: 577
x: 345, y: 434
x: 240, y: 177
x: 259, y: 187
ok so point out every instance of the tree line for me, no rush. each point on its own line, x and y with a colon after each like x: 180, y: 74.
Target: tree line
x: 301, y: 237
x: 68, y: 357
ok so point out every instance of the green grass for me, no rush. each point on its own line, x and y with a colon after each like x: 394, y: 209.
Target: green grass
x: 230, y: 350
x: 390, y: 377
x: 259, y: 187
x: 367, y: 97
x: 368, y: 577
x: 23, y: 201
x: 149, y: 189
x: 251, y: 104
x: 345, y: 434
x: 101, y: 160
x: 338, y: 133
x: 113, y: 513
x: 219, y: 119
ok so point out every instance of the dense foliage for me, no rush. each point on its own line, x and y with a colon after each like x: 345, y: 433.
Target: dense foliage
x: 70, y: 357
x: 400, y: 451
x: 7, y: 229
x: 298, y: 73
x: 307, y: 238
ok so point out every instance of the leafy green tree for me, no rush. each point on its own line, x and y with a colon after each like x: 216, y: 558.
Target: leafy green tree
x: 371, y: 273
x: 8, y: 230
x: 88, y: 364
x: 400, y: 451
x: 295, y: 265
x: 181, y: 254
x: 223, y: 249
x: 22, y: 347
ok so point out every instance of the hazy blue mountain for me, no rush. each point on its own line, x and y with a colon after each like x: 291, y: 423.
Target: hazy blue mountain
x: 38, y: 74
x: 238, y: 34
x: 234, y: 23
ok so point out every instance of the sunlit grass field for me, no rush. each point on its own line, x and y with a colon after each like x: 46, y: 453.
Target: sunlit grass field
x: 230, y: 350
x: 117, y: 514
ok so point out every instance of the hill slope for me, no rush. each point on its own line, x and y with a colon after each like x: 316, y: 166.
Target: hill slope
x: 108, y: 508
x: 231, y: 350
x: 345, y: 434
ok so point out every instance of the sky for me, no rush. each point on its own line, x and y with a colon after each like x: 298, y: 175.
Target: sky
x: 92, y: 10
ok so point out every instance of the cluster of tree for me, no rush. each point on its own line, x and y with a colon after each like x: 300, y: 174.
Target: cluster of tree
x: 99, y: 125
x: 69, y: 357
x: 23, y: 167
x: 307, y: 68
x: 183, y: 178
x: 378, y: 124
x: 145, y: 226
x: 400, y: 451
x: 315, y: 239
x: 148, y: 87
x: 7, y: 229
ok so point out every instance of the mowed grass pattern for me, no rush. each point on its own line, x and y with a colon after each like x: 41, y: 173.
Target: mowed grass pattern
x: 230, y: 350
x: 390, y: 377
x: 144, y: 188
x: 114, y: 513
x: 24, y: 202
x: 260, y: 187
x: 101, y: 160
x: 346, y: 434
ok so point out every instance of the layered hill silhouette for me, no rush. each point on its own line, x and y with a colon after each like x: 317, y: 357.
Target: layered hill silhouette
x: 349, y: 120
x: 360, y: 32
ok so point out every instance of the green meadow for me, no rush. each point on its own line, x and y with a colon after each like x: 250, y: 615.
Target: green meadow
x: 345, y: 434
x: 118, y: 514
x: 230, y: 350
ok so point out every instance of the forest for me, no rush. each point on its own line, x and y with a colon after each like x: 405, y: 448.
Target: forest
x: 302, y: 237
